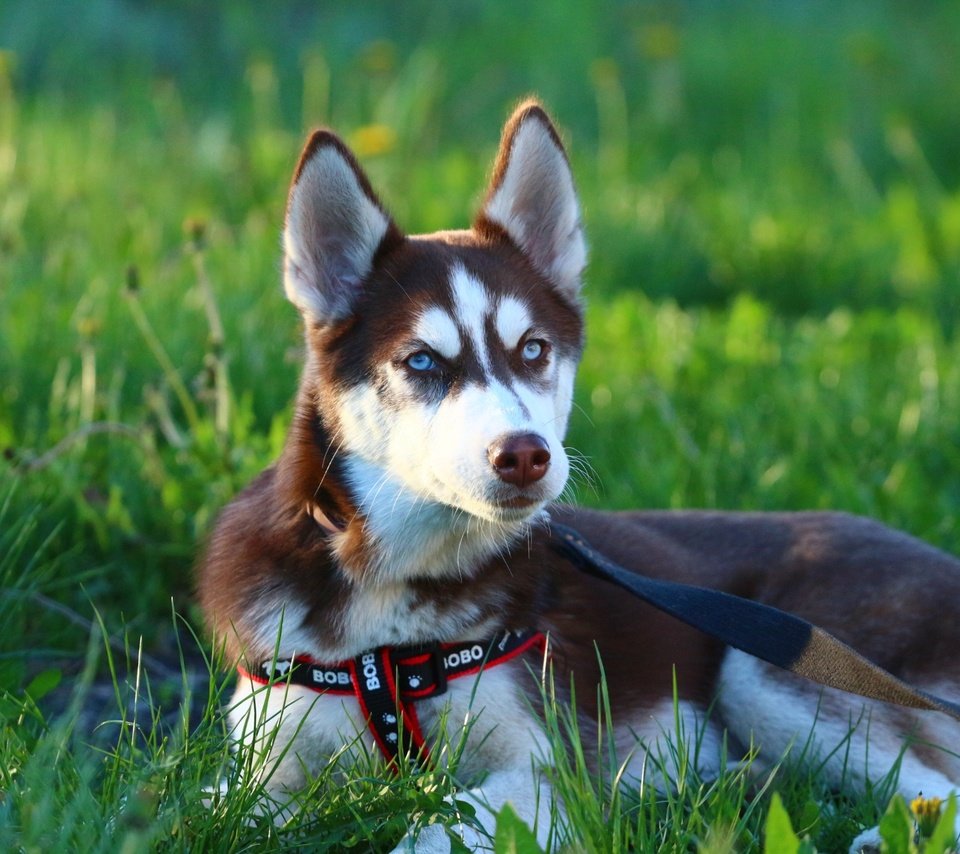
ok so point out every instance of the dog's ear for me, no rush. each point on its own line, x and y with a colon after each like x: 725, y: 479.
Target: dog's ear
x: 335, y: 226
x: 532, y: 198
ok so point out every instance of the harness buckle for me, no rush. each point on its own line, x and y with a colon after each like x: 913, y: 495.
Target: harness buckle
x: 420, y: 671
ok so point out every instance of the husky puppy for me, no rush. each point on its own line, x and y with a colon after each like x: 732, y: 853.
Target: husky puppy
x: 407, y: 525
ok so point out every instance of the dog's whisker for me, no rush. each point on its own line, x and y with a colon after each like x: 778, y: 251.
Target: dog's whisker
x: 397, y: 283
x: 584, y: 412
x: 329, y: 464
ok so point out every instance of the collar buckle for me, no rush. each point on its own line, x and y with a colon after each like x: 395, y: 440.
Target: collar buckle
x: 421, y: 671
x: 439, y: 668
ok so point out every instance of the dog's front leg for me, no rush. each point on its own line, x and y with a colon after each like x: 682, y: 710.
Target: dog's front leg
x: 524, y: 790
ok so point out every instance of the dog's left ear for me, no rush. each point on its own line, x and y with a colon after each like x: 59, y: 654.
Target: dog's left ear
x: 532, y: 198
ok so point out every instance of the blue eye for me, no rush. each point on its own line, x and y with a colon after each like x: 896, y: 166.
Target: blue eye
x: 421, y: 361
x: 533, y: 350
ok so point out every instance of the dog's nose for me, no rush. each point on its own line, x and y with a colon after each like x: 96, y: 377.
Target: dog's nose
x: 520, y: 458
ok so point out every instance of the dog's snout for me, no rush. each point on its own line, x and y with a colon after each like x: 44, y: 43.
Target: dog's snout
x: 520, y: 458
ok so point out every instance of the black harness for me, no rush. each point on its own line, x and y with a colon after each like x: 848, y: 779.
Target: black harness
x: 387, y: 681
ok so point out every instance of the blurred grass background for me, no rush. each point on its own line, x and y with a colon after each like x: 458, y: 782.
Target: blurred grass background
x: 772, y: 196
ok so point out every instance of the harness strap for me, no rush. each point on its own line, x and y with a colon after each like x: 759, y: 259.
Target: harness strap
x: 760, y: 630
x: 391, y: 720
x: 387, y: 681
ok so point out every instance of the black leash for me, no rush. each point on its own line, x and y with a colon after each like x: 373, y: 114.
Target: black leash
x: 762, y: 631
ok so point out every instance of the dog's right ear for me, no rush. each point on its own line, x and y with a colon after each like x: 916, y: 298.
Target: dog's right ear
x: 335, y: 226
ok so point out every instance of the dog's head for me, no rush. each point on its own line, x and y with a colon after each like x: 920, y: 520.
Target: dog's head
x: 442, y: 365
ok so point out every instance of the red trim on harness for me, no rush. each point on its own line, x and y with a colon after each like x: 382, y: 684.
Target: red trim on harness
x: 537, y: 639
x: 416, y: 733
x: 448, y: 663
x: 415, y: 659
x: 365, y: 711
x: 411, y: 724
x: 280, y: 681
x: 423, y: 692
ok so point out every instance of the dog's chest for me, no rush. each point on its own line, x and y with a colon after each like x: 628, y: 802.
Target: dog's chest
x: 294, y: 622
x: 400, y: 615
x: 486, y: 719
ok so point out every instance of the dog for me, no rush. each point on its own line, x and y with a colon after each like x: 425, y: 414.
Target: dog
x: 412, y: 505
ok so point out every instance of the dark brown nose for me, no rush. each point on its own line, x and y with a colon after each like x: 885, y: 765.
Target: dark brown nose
x: 520, y: 458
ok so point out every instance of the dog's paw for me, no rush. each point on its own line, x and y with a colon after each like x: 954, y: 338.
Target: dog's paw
x: 868, y: 842
x: 435, y: 839
x: 431, y: 839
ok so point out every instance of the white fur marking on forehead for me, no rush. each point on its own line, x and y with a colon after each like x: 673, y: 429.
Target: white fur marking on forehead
x: 470, y: 297
x: 471, y: 302
x: 436, y: 329
x: 513, y: 320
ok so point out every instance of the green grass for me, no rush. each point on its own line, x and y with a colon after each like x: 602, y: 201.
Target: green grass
x: 773, y: 204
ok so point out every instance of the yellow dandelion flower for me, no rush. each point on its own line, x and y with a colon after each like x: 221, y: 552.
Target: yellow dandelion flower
x: 604, y: 72
x: 659, y: 41
x: 371, y: 140
x: 89, y: 327
x: 927, y: 812
x: 379, y: 57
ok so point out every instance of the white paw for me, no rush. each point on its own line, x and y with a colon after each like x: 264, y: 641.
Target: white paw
x: 868, y: 842
x: 435, y: 839
x: 432, y: 839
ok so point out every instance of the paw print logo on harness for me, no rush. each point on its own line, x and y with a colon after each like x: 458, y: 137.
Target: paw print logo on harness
x: 391, y: 721
x: 414, y: 681
x: 276, y: 669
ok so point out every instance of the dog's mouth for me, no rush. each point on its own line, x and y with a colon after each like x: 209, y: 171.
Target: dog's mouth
x: 505, y: 508
x: 496, y: 501
x: 520, y: 505
x: 518, y: 502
